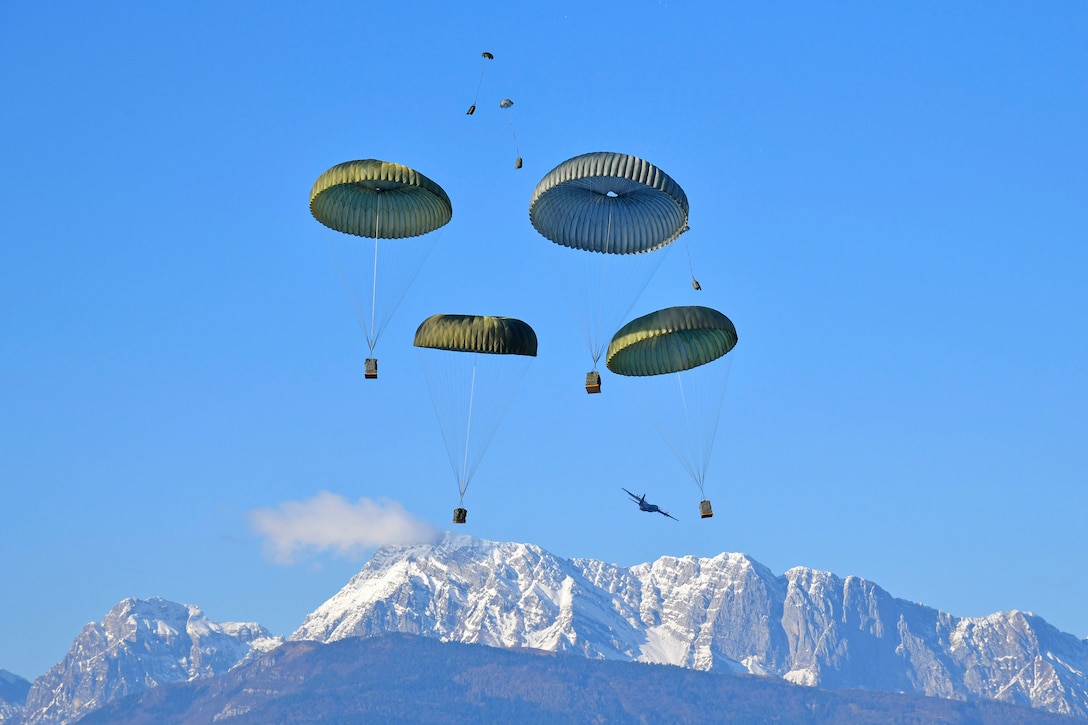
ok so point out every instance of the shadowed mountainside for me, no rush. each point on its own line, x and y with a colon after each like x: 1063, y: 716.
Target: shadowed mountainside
x: 406, y: 679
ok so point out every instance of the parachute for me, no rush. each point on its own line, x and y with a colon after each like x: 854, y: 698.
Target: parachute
x: 678, y: 364
x: 378, y: 200
x: 483, y: 67
x: 473, y: 366
x: 505, y: 104
x: 610, y: 210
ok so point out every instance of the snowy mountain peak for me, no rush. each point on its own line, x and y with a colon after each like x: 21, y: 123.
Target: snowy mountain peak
x: 140, y: 643
x: 724, y: 613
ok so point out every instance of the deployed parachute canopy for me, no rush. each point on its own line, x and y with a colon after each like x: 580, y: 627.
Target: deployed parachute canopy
x: 473, y: 365
x: 477, y: 333
x: 670, y: 341
x: 483, y: 67
x: 609, y: 203
x: 679, y: 357
x: 505, y: 104
x: 378, y: 200
x: 609, y: 210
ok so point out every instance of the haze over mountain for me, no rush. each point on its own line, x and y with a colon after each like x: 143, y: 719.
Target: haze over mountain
x: 13, y: 690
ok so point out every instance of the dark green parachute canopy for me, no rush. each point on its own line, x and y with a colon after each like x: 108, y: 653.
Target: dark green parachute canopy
x: 670, y: 341
x: 477, y: 333
x: 379, y: 199
x: 610, y: 203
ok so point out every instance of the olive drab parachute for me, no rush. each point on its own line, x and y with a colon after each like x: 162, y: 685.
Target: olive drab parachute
x: 485, y: 56
x: 677, y: 365
x: 378, y: 200
x: 473, y: 365
x: 610, y: 212
x: 670, y: 341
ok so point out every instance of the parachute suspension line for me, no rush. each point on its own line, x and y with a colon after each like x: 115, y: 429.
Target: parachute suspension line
x: 514, y: 133
x: 468, y: 432
x: 372, y: 333
x: 484, y: 57
x: 480, y: 84
x: 698, y: 468
x: 691, y: 268
x: 598, y: 345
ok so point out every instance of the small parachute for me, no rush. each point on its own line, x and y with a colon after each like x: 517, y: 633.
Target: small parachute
x: 473, y: 365
x: 505, y: 104
x: 483, y: 67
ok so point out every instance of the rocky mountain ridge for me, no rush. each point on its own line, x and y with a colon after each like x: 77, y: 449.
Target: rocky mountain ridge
x: 140, y: 644
x: 726, y: 613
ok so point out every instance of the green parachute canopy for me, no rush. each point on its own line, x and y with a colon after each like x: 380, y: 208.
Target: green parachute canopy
x: 670, y: 341
x: 472, y: 392
x: 610, y: 203
x: 379, y: 200
x: 477, y: 333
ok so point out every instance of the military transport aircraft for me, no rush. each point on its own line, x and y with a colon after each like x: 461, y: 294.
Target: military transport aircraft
x: 645, y: 506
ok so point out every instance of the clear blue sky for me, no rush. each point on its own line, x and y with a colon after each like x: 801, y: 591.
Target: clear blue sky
x: 889, y: 200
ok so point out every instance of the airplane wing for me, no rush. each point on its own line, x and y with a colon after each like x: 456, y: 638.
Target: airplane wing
x: 666, y: 513
x: 636, y: 498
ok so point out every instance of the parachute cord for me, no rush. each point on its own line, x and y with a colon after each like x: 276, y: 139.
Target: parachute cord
x: 468, y: 431
x: 514, y: 133
x: 483, y: 68
x: 371, y: 335
x: 597, y: 347
x: 697, y: 473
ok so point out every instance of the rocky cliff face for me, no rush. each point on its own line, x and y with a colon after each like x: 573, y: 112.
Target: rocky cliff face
x: 139, y: 644
x: 726, y: 613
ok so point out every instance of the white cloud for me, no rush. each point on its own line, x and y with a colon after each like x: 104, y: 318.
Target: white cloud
x: 328, y: 522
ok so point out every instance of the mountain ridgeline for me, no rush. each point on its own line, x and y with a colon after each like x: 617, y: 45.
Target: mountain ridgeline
x: 13, y: 690
x: 395, y: 678
x: 728, y: 613
x: 137, y: 645
x: 805, y: 646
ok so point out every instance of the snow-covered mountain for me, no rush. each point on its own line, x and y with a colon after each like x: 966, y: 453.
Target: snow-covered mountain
x: 726, y: 613
x: 13, y: 691
x: 140, y: 644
